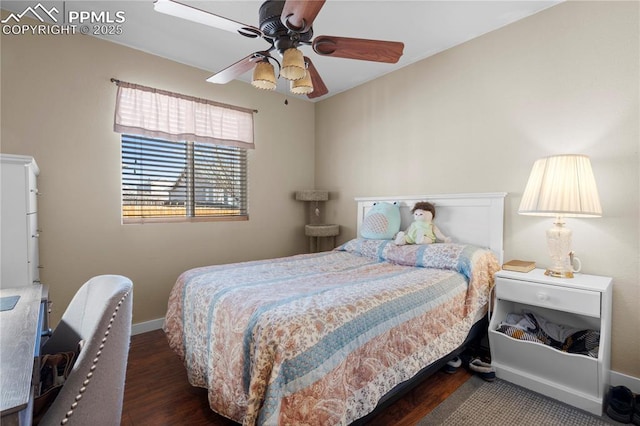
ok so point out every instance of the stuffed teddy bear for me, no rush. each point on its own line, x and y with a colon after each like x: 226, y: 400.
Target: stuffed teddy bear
x: 422, y: 230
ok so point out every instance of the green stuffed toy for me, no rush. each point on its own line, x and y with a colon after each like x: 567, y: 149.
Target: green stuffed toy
x: 422, y: 230
x: 382, y: 222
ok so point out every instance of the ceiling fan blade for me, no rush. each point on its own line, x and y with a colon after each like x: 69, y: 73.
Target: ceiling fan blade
x: 200, y: 16
x: 298, y: 15
x: 358, y: 48
x: 233, y: 71
x: 319, y: 88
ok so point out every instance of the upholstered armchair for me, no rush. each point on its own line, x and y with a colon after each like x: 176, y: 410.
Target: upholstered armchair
x: 99, y: 320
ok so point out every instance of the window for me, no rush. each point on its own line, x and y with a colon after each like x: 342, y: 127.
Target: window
x: 183, y: 158
x: 165, y: 180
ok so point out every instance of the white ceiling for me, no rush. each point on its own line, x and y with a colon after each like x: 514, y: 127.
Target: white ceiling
x: 425, y: 28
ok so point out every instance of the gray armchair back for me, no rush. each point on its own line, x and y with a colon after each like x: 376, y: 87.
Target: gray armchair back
x: 99, y: 318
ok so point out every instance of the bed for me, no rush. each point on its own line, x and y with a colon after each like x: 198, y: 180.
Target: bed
x: 326, y: 338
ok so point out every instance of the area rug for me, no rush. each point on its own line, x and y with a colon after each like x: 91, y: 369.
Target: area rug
x: 500, y: 403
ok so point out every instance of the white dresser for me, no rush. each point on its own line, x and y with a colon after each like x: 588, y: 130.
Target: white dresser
x: 582, y: 302
x: 19, y: 221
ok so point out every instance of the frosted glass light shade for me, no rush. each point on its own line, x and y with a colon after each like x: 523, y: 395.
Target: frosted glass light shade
x: 302, y: 86
x: 293, y: 67
x: 561, y: 185
x: 264, y: 76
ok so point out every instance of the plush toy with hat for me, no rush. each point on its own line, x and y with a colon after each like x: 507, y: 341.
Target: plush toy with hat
x: 422, y: 230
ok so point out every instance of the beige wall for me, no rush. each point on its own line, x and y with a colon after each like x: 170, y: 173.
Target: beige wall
x: 58, y: 105
x: 476, y: 117
x: 473, y: 118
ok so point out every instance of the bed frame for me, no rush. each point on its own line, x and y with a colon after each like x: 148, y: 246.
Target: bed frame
x: 475, y: 218
x: 466, y: 218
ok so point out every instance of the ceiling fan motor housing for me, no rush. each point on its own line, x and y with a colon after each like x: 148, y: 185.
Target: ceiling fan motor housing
x: 272, y: 27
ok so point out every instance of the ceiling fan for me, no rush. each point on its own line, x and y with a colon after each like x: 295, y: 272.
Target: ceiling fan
x: 286, y: 25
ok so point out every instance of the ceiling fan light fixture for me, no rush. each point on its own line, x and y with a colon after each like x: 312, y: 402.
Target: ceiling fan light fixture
x: 293, y: 67
x: 264, y: 76
x: 302, y: 86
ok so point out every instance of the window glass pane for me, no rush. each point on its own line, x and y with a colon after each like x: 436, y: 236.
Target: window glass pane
x: 163, y: 179
x: 220, y: 180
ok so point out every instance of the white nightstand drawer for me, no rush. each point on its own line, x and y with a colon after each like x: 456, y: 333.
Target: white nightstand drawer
x: 549, y: 296
x: 576, y: 372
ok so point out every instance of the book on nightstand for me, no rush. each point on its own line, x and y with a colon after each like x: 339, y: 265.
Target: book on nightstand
x: 519, y: 265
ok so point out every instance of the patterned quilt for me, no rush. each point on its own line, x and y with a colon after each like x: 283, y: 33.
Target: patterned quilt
x: 318, y: 339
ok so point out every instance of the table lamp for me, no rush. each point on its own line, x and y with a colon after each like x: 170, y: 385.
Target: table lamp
x: 561, y: 186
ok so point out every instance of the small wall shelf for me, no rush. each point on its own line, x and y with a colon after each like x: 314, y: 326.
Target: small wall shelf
x: 315, y: 229
x: 315, y: 232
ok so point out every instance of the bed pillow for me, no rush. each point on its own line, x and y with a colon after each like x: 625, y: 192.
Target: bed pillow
x: 455, y: 257
x: 382, y: 221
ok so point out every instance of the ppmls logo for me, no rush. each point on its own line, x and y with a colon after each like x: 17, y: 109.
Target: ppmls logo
x: 34, y: 13
x: 82, y: 21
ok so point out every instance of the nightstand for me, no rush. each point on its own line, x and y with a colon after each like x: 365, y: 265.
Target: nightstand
x: 582, y: 302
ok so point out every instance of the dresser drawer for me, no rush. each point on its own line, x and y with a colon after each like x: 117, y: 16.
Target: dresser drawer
x: 549, y: 296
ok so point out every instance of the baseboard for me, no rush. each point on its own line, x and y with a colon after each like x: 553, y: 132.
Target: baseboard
x: 143, y: 327
x: 619, y: 379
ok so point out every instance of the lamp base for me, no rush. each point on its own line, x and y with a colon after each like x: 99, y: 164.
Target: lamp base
x: 559, y: 245
x: 558, y: 274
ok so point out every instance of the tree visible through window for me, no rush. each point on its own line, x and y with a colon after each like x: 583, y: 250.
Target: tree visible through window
x: 165, y: 180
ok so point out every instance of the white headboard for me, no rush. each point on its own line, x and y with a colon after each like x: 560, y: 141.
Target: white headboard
x: 467, y: 218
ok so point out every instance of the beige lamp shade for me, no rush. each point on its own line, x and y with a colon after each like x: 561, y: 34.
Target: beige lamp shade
x: 561, y: 185
x: 312, y: 195
x: 264, y: 76
x: 293, y: 67
x: 302, y: 86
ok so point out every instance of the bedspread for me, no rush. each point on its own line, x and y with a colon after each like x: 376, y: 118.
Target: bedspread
x: 320, y: 338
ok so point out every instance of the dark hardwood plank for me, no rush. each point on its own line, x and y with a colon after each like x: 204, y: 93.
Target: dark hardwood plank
x: 157, y: 391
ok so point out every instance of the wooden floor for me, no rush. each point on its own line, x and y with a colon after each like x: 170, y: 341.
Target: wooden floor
x: 157, y: 391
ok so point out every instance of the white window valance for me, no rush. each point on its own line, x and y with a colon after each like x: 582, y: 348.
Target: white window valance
x: 155, y: 113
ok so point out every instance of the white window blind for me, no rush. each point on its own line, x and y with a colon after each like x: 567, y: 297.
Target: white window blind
x: 155, y: 113
x: 166, y: 179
